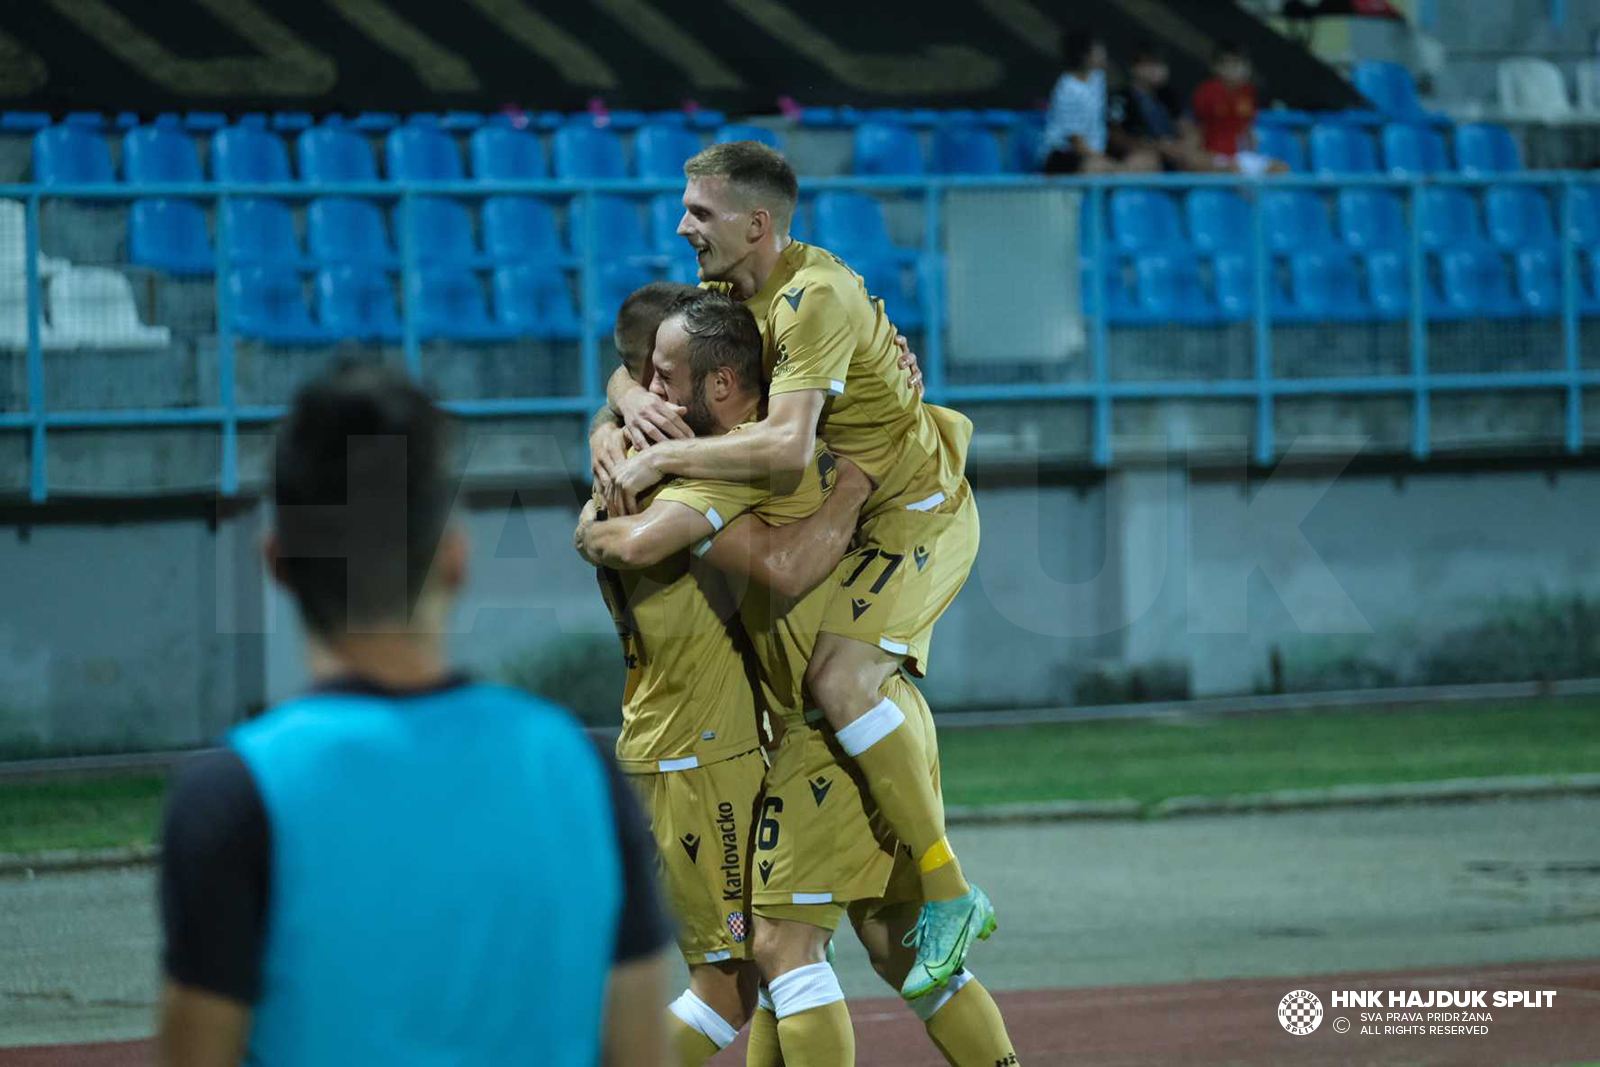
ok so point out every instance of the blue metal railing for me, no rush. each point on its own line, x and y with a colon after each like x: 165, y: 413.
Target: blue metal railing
x: 1099, y: 387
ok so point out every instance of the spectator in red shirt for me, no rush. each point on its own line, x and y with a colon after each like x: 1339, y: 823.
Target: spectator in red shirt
x: 1225, y: 107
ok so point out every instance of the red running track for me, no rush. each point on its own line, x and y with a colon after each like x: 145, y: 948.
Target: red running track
x: 1231, y: 1023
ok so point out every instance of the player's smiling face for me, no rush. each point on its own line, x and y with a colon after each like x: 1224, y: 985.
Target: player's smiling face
x: 716, y: 225
x: 671, y: 380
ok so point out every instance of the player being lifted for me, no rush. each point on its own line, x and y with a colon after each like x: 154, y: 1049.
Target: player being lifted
x: 830, y: 357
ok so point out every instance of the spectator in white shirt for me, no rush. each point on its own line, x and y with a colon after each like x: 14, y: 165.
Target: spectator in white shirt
x: 1075, y: 127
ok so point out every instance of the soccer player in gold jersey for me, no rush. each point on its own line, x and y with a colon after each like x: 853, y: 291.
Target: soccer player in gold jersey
x: 818, y: 850
x: 830, y: 357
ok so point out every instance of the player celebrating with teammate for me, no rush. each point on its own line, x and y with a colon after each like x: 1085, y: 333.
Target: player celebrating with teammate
x: 830, y: 357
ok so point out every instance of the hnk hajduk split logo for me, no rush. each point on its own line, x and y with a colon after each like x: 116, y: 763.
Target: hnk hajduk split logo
x: 1300, y: 1012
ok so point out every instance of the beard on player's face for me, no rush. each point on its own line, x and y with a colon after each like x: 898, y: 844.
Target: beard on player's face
x: 699, y: 417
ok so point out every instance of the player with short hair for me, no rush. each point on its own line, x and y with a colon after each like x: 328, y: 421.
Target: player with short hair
x: 362, y: 874
x: 830, y: 357
x: 819, y: 847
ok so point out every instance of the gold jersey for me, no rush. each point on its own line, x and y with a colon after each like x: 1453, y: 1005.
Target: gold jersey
x: 821, y: 329
x: 691, y: 696
x: 781, y: 633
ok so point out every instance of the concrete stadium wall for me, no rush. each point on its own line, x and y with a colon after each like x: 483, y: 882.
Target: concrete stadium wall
x: 154, y: 632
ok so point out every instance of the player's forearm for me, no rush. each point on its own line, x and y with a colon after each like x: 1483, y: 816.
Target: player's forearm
x: 620, y: 384
x: 794, y: 559
x: 604, y: 418
x: 765, y: 452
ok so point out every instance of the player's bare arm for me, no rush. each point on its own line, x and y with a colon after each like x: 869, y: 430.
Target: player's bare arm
x: 793, y: 559
x: 646, y: 416
x: 607, y: 446
x: 774, y: 451
x: 630, y: 542
x: 199, y: 1028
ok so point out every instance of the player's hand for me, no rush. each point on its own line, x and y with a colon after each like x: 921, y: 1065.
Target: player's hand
x: 907, y: 359
x: 607, y: 449
x: 650, y: 418
x: 852, y: 482
x: 632, y: 477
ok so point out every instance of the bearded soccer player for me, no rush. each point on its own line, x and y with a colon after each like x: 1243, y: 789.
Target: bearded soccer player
x: 830, y: 357
x: 818, y: 848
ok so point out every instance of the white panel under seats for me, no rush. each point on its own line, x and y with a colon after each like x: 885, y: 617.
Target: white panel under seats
x: 93, y: 307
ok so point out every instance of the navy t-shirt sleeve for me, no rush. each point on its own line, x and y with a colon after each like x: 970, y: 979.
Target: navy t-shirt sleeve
x: 215, y: 878
x: 642, y: 928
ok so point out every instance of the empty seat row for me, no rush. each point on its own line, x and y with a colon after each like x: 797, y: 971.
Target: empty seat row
x: 1406, y: 149
x: 370, y: 121
x: 354, y: 302
x: 883, y: 148
x: 1213, y: 220
x: 172, y: 234
x: 1332, y: 285
x: 68, y: 154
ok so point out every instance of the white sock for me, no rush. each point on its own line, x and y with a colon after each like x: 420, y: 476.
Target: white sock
x: 699, y: 1016
x: 871, y: 728
x: 764, y: 998
x: 804, y: 988
x: 925, y: 1006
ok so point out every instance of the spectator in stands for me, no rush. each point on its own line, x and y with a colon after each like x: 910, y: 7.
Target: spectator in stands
x: 1147, y: 114
x: 1225, y: 107
x: 1075, y: 128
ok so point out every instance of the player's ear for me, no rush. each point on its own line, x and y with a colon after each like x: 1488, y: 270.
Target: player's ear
x: 760, y: 224
x: 451, y: 560
x: 272, y: 557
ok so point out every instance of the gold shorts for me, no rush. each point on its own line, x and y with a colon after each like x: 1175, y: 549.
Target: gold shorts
x: 701, y: 819
x: 820, y: 842
x: 910, y: 563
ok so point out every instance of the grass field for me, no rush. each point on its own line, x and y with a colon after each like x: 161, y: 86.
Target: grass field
x: 1144, y: 760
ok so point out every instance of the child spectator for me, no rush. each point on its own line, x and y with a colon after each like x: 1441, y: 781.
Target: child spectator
x: 1225, y: 107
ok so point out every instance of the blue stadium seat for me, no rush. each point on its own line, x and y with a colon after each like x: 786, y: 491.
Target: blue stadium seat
x: 1539, y: 280
x: 518, y: 228
x: 343, y: 230
x: 500, y: 153
x: 881, y: 148
x: 666, y: 211
x: 679, y: 119
x: 1282, y: 144
x: 1449, y: 217
x: 330, y: 154
x: 1122, y: 308
x: 24, y: 121
x: 999, y: 118
x: 1409, y: 149
x: 617, y: 280
x: 260, y: 231
x: 891, y: 281
x: 1219, y: 220
x: 269, y: 303
x: 71, y: 155
x: 1146, y: 221
x: 1167, y: 288
x: 461, y: 120
x: 581, y: 151
x: 94, y: 120
x: 152, y: 154
x: 850, y: 220
x: 1234, y: 277
x: 1284, y: 118
x: 683, y: 271
x: 622, y: 120
x: 534, y: 300
x: 927, y: 118
x: 707, y: 118
x: 249, y: 154
x: 1584, y: 230
x: 1338, y: 149
x: 1519, y: 217
x: 964, y: 149
x: 617, y: 232
x: 1324, y: 287
x: 204, y: 121
x: 1296, y: 221
x: 1589, y: 291
x: 800, y: 224
x: 661, y: 151
x: 357, y: 302
x: 1390, y: 88
x: 422, y: 153
x: 745, y: 132
x: 442, y: 229
x: 292, y: 120
x: 1483, y: 148
x: 1022, y: 151
x: 1475, y: 285
x: 1371, y: 220
x: 375, y: 121
x: 448, y: 302
x: 170, y: 235
x: 1389, y: 284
